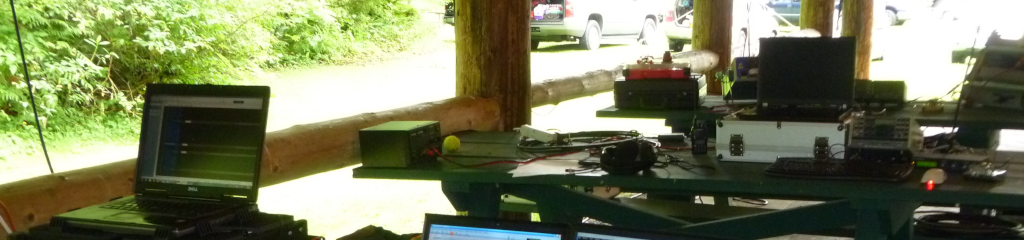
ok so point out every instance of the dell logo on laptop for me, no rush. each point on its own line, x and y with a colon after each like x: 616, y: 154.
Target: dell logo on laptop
x: 193, y: 189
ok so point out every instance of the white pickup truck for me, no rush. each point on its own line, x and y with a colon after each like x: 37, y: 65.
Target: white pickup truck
x: 592, y: 21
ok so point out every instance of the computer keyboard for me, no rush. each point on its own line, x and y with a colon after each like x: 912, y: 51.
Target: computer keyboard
x: 165, y: 207
x: 839, y: 170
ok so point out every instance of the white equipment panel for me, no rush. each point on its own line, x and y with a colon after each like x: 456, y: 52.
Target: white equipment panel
x: 764, y: 141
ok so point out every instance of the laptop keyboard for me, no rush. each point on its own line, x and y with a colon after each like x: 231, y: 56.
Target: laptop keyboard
x: 165, y: 207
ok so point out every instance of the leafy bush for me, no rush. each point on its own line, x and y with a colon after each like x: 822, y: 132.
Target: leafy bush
x: 89, y: 60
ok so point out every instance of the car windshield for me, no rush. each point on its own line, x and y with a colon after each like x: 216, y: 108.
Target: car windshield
x: 684, y: 6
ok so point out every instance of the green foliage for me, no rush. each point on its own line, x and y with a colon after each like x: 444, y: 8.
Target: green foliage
x: 334, y: 31
x: 91, y: 59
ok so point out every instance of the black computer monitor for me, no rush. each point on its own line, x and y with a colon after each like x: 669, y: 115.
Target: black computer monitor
x: 443, y: 227
x: 601, y: 232
x: 805, y: 74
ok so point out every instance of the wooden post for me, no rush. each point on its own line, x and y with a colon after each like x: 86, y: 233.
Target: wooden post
x: 712, y: 30
x: 858, y: 21
x: 492, y: 55
x: 818, y: 14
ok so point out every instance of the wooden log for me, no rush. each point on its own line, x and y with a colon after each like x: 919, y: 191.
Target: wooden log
x: 699, y: 60
x: 557, y: 90
x: 818, y: 15
x: 858, y: 21
x: 33, y: 201
x: 803, y: 33
x: 566, y: 88
x: 712, y: 30
x: 492, y: 55
x: 289, y: 154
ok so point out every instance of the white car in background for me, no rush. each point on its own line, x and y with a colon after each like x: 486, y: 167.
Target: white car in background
x: 752, y: 20
x: 592, y: 21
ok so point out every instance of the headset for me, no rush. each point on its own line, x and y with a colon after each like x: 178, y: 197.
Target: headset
x: 628, y: 157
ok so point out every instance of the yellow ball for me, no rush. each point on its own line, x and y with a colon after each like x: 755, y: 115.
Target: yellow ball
x: 451, y: 144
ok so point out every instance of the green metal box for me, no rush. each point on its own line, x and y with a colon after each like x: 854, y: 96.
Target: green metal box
x: 399, y: 143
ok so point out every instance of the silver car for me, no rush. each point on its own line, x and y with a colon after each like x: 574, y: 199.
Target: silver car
x: 592, y: 21
x: 752, y: 20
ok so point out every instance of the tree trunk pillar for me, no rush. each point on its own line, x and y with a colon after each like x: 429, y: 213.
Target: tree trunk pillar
x: 818, y: 14
x: 712, y: 30
x: 492, y: 54
x: 858, y: 21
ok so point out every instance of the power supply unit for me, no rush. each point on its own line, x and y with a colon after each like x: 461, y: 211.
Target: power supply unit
x: 399, y: 143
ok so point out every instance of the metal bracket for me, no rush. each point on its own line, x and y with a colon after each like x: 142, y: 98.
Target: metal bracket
x: 821, y: 148
x: 736, y: 145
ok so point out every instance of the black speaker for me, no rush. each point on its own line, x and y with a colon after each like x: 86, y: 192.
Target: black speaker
x: 628, y: 157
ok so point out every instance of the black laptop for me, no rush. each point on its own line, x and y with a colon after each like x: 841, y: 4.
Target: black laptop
x: 198, y: 164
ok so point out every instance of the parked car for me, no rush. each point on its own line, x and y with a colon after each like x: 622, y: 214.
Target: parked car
x: 592, y: 21
x: 752, y: 20
x: 790, y: 11
x: 449, y: 12
x: 899, y: 11
x: 895, y: 11
x: 970, y: 24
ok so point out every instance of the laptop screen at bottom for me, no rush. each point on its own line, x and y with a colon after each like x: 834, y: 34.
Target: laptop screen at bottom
x: 444, y: 227
x: 447, y: 232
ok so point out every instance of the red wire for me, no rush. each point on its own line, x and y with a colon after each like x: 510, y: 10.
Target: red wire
x: 8, y: 219
x: 435, y: 151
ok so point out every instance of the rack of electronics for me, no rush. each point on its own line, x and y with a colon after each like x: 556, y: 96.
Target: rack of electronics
x: 997, y: 80
x: 814, y: 120
x: 659, y: 86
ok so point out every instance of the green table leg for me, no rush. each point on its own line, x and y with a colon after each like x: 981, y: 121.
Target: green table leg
x: 904, y: 233
x: 884, y: 219
x: 869, y: 225
x: 478, y: 199
x: 721, y: 200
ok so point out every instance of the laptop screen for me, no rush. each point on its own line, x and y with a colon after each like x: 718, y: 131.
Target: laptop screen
x: 441, y: 227
x: 448, y: 232
x: 202, y: 140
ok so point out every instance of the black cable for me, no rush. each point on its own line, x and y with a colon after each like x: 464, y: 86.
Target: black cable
x: 596, y: 139
x: 31, y: 95
x: 752, y: 201
x: 837, y: 153
x: 961, y: 225
x: 960, y: 99
x: 679, y: 162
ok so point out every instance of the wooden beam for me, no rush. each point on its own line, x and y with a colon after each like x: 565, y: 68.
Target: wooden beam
x: 858, y: 21
x: 712, y: 30
x: 557, y: 90
x: 492, y: 55
x: 818, y: 15
x: 289, y: 154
